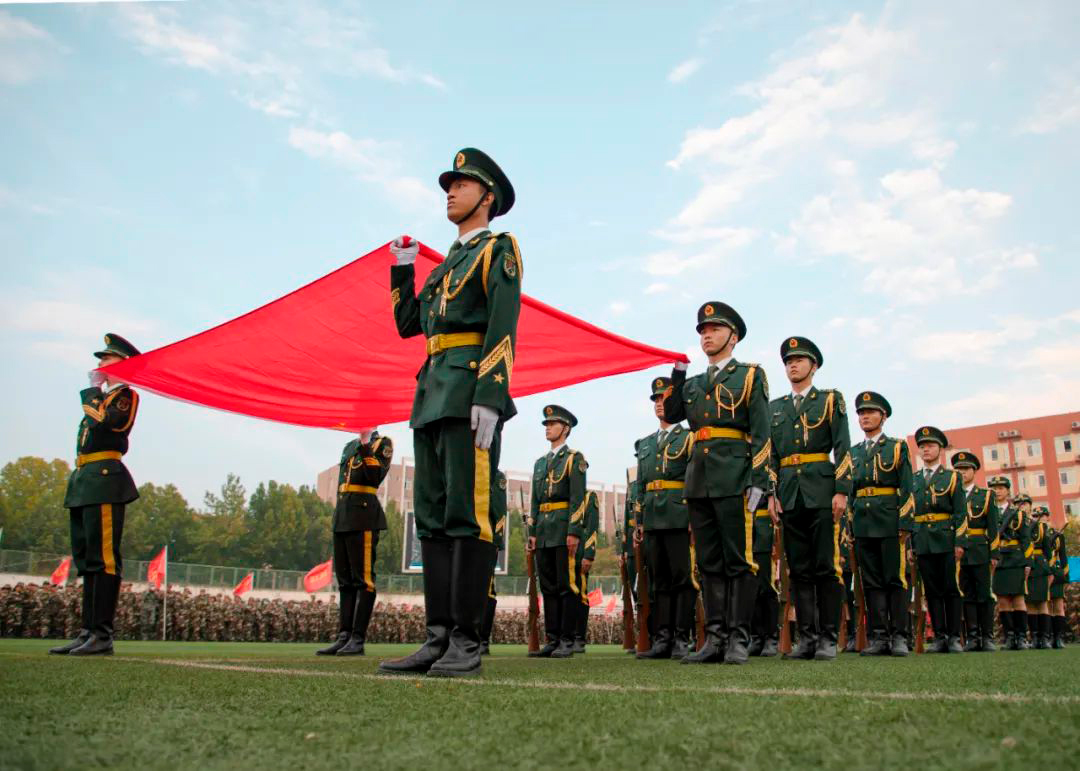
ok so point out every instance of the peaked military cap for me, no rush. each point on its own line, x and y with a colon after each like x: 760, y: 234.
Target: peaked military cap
x: 999, y: 481
x: 1040, y: 511
x: 474, y: 164
x: 931, y: 434
x: 871, y: 400
x: 555, y: 413
x: 965, y: 460
x: 117, y: 346
x: 801, y: 346
x: 659, y: 387
x: 716, y: 312
x: 1022, y: 498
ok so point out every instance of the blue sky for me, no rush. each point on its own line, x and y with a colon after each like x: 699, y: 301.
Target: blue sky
x: 896, y: 181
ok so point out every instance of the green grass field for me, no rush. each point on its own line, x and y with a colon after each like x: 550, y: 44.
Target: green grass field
x: 268, y: 706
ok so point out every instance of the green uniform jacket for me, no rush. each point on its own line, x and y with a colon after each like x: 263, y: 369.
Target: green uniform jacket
x: 1059, y: 565
x: 885, y: 465
x: 105, y: 427
x: 362, y: 465
x: 763, y: 529
x: 498, y: 512
x: 817, y: 428
x: 587, y: 545
x: 477, y: 290
x: 979, y: 534
x: 738, y: 401
x: 659, y: 463
x: 943, y: 493
x: 1014, y: 541
x: 560, y: 482
x: 1042, y: 542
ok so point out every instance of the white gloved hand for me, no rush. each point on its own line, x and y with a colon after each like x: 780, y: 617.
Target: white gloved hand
x: 484, y: 420
x: 405, y: 249
x: 753, y: 498
x: 96, y: 377
x: 680, y: 366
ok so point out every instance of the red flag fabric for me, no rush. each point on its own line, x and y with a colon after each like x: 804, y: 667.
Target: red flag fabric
x: 59, y: 576
x: 611, y: 605
x: 319, y: 577
x: 596, y: 597
x: 155, y: 571
x: 245, y: 585
x: 328, y: 354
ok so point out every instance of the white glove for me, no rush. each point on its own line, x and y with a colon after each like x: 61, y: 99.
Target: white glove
x: 680, y: 366
x: 484, y: 420
x: 753, y: 498
x: 97, y: 378
x: 405, y: 249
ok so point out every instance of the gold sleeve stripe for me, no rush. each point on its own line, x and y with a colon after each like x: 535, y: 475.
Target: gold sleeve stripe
x: 845, y: 466
x: 963, y: 528
x: 996, y: 543
x: 503, y: 352
x: 501, y: 526
x: 577, y: 515
x: 98, y: 415
x: 1029, y: 550
x: 908, y: 508
x: 395, y: 298
x: 763, y: 454
x: 590, y: 543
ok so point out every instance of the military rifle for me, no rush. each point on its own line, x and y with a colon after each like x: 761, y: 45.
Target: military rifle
x: 624, y: 577
x: 785, y: 591
x: 643, y: 641
x: 533, y: 617
x: 860, y: 595
x: 920, y: 615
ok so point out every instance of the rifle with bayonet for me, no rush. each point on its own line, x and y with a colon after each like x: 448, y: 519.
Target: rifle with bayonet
x: 624, y: 577
x: 532, y: 622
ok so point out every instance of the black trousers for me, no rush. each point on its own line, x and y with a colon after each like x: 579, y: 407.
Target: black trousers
x: 667, y: 555
x: 354, y: 566
x: 766, y: 619
x: 975, y: 583
x: 883, y: 562
x: 723, y: 536
x: 939, y: 574
x: 812, y: 544
x: 96, y: 532
x: 559, y: 574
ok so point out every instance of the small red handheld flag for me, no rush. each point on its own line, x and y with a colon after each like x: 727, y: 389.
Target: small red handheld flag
x: 246, y: 585
x: 596, y: 597
x: 155, y: 571
x: 60, y: 575
x: 611, y: 605
x: 319, y: 577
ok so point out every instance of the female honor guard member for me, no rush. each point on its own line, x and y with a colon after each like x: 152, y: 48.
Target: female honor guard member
x: 97, y: 492
x: 468, y: 310
x: 358, y: 519
x: 1014, y: 565
x: 1038, y: 586
x: 1059, y: 566
x: 978, y: 537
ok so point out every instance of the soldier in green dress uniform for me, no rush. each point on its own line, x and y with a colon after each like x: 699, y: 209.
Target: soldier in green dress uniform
x: 978, y: 537
x: 1059, y: 568
x: 586, y: 553
x: 358, y: 520
x: 558, y: 516
x: 498, y: 521
x: 1038, y: 587
x: 1014, y: 563
x: 765, y: 624
x: 812, y: 490
x: 940, y: 511
x: 468, y: 310
x: 726, y: 477
x: 98, y: 491
x: 664, y: 529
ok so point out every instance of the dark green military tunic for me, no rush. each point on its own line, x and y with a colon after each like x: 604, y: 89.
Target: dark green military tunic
x: 940, y: 511
x: 1015, y: 550
x: 882, y: 509
x: 978, y: 537
x: 468, y: 310
x: 1038, y: 585
x: 1059, y: 565
x: 358, y: 519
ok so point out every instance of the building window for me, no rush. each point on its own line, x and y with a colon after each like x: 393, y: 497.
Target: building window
x: 1042, y: 480
x: 1022, y: 481
x: 1034, y: 448
x: 993, y: 456
x: 1066, y: 445
x: 1068, y: 476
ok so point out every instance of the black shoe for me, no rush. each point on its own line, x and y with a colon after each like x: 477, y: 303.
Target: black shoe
x: 548, y: 649
x: 335, y: 646
x: 988, y: 645
x: 757, y: 645
x: 805, y: 601
x: 78, y: 642
x: 437, y: 558
x: 714, y: 599
x: 564, y: 650
x: 661, y: 647
x: 579, y: 645
x: 742, y: 591
x: 830, y: 597
x: 939, y: 645
x: 95, y: 646
x: 1012, y: 642
x: 1058, y: 623
x: 953, y: 645
x: 470, y: 579
x: 681, y: 648
x: 485, y: 648
x: 878, y: 646
x: 849, y: 646
x: 770, y: 648
x: 899, y: 646
x: 711, y: 653
x: 973, y: 643
x: 355, y: 647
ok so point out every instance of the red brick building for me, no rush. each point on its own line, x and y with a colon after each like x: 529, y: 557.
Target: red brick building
x: 1041, y: 456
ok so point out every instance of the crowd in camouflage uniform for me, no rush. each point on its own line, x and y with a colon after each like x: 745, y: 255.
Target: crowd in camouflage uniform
x: 45, y: 611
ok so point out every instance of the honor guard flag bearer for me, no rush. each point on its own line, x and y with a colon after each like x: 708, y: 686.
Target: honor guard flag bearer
x: 468, y: 310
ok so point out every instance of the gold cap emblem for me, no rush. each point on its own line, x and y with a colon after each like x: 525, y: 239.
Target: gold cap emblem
x: 548, y: 411
x: 793, y: 343
x: 926, y: 432
x: 108, y: 340
x: 658, y: 383
x: 709, y: 310
x: 866, y: 397
x: 459, y: 161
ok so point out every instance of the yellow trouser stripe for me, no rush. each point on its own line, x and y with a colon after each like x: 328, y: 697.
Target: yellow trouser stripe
x: 748, y: 535
x: 585, y: 589
x: 482, y: 493
x: 491, y: 588
x: 367, y: 562
x: 107, y: 555
x: 836, y: 553
x: 958, y: 579
x: 903, y: 562
x: 93, y: 457
x: 571, y: 564
x: 865, y: 492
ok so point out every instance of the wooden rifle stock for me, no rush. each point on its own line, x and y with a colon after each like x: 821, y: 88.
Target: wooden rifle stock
x: 624, y: 577
x: 920, y: 615
x: 532, y: 622
x: 785, y: 593
x: 861, y: 640
x: 643, y: 641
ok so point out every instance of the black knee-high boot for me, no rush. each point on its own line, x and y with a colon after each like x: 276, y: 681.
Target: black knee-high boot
x: 470, y: 579
x: 1020, y: 624
x: 87, y: 619
x: 489, y: 624
x: 365, y: 602
x: 437, y: 556
x: 106, y: 594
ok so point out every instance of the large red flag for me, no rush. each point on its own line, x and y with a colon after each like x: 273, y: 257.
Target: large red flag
x: 155, y: 571
x: 245, y: 586
x: 329, y: 355
x: 596, y: 597
x: 60, y: 575
x: 319, y: 577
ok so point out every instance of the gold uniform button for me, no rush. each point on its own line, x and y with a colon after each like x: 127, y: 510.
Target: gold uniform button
x: 706, y: 450
x: 472, y: 365
x: 708, y: 396
x: 105, y: 471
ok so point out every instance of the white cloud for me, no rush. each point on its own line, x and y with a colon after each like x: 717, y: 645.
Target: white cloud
x: 684, y: 70
x: 1057, y: 109
x: 26, y: 50
x: 710, y: 249
x: 618, y: 307
x: 657, y: 287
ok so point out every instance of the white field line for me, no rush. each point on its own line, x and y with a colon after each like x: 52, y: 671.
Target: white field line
x: 719, y: 690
